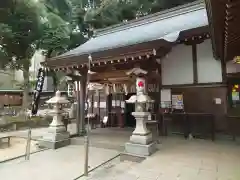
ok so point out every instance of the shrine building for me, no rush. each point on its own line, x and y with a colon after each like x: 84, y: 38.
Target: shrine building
x: 190, y: 54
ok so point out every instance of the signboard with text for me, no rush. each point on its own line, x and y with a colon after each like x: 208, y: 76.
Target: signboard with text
x: 177, y: 101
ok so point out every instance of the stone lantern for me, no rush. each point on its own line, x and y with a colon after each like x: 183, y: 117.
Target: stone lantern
x: 141, y: 143
x: 56, y: 135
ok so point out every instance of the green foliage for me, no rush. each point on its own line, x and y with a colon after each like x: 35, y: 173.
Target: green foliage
x: 61, y: 8
x: 62, y: 18
x: 19, y: 29
x: 54, y: 38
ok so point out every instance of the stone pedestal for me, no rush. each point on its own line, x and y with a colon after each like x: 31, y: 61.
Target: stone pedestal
x: 55, y: 137
x: 141, y: 143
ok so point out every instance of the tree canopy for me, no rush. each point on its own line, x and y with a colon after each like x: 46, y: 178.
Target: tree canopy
x: 20, y: 24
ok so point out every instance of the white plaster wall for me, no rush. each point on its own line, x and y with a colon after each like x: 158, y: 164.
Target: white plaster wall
x: 209, y: 69
x: 177, y: 66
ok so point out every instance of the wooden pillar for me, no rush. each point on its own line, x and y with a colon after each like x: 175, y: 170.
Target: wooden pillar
x: 109, y: 108
x: 92, y: 102
x: 78, y: 108
x: 194, y: 58
x: 124, y: 113
x: 83, y: 83
x: 98, y: 105
x: 224, y: 71
x: 159, y: 87
x: 159, y: 106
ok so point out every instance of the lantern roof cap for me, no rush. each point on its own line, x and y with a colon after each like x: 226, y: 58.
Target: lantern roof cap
x: 57, y: 99
x: 137, y: 71
x: 141, y: 98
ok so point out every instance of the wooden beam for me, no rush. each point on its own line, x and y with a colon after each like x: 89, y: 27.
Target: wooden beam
x: 224, y: 71
x: 216, y: 84
x: 110, y: 74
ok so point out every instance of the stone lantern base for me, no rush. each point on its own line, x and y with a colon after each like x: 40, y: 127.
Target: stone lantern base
x: 55, y: 137
x: 141, y: 143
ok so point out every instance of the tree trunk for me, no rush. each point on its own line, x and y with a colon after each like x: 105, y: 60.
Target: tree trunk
x: 26, y: 87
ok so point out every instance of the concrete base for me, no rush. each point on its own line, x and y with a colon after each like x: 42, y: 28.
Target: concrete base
x: 54, y: 144
x: 140, y: 149
x: 56, y: 136
x: 55, y: 139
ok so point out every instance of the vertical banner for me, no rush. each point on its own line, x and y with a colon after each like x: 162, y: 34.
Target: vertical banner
x: 38, y: 90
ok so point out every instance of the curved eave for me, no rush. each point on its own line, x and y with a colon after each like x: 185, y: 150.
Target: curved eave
x: 108, y: 56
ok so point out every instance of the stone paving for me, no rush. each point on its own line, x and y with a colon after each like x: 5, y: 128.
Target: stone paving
x: 62, y: 164
x: 178, y: 159
x: 109, y: 138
